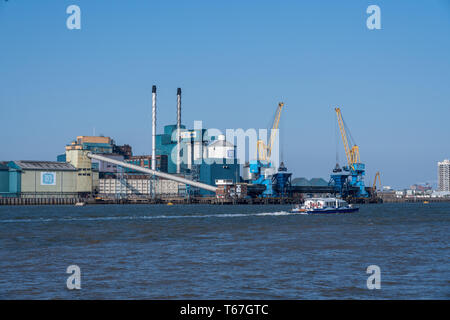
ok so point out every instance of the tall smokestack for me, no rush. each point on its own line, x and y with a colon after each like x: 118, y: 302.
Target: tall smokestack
x: 178, y: 129
x: 154, y: 128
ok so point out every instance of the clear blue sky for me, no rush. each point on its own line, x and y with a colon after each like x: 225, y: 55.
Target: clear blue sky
x: 234, y: 61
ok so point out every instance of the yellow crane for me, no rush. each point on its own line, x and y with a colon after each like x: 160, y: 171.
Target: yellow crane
x: 264, y: 151
x: 351, y: 151
x: 374, y: 186
x: 356, y: 168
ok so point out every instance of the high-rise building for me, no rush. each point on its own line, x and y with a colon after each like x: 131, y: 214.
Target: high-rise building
x: 444, y: 175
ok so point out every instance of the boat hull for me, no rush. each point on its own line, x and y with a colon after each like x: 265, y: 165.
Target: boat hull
x: 326, y: 211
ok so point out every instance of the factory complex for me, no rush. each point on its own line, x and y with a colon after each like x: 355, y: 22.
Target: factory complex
x: 184, y: 165
x: 74, y: 175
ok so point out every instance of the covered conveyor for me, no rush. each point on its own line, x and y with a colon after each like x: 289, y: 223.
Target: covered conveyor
x: 154, y: 172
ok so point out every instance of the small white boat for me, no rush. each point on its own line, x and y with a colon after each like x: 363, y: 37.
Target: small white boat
x: 80, y: 204
x: 324, y: 205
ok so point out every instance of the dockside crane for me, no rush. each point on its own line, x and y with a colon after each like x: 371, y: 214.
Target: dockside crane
x: 264, y: 152
x: 355, y: 167
x: 374, y: 186
x: 262, y: 170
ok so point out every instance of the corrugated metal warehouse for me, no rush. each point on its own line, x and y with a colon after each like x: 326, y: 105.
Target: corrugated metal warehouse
x: 4, y: 179
x: 46, y: 179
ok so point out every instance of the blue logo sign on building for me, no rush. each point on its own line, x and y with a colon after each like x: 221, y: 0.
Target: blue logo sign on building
x: 48, y: 178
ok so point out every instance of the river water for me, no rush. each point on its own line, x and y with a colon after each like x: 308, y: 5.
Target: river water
x: 224, y: 252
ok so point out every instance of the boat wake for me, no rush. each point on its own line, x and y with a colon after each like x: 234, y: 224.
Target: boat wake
x: 149, y: 217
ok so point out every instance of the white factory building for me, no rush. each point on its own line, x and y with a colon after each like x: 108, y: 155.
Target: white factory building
x: 220, y: 149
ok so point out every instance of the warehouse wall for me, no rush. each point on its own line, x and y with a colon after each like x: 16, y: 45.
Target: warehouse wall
x: 15, y: 181
x: 4, y: 180
x: 65, y: 182
x: 79, y: 159
x: 139, y: 187
x: 210, y: 172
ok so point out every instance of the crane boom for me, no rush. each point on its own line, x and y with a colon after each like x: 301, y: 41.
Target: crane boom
x: 374, y: 186
x: 351, y: 152
x: 355, y: 167
x: 265, y: 151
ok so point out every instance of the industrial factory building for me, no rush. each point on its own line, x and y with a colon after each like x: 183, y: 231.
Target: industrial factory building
x: 97, y: 144
x: 86, y: 177
x: 42, y: 179
x: 4, y: 178
x: 195, y: 154
x: 145, y: 161
x: 183, y: 163
x: 9, y: 181
x: 187, y: 153
x: 219, y: 164
x: 141, y: 187
x: 106, y: 180
x: 166, y: 144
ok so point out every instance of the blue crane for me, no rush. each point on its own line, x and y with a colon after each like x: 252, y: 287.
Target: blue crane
x: 262, y: 170
x: 355, y: 168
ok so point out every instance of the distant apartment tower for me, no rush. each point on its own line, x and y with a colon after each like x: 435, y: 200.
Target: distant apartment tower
x: 444, y: 175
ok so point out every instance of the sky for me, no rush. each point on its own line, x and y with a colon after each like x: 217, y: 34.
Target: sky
x: 234, y: 60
